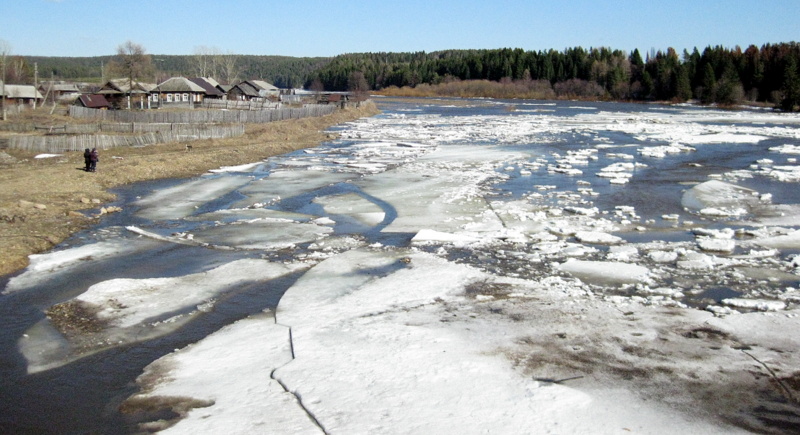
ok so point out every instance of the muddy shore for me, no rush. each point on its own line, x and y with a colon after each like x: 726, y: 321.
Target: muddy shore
x: 43, y: 201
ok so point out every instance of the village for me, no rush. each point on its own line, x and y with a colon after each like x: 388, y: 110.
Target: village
x: 124, y: 112
x: 175, y: 92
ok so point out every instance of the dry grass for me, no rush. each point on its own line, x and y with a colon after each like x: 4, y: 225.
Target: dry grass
x: 40, y: 198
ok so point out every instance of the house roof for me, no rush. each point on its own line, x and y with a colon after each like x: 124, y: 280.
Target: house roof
x: 208, y: 86
x: 180, y: 84
x: 247, y: 89
x: 263, y: 86
x: 213, y: 82
x: 93, y: 101
x: 21, y: 92
x: 256, y: 88
x: 121, y: 86
x: 59, y: 87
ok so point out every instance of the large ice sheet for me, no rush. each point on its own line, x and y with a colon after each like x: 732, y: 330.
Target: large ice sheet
x: 717, y: 198
x: 283, y: 184
x: 46, y: 266
x: 444, y: 191
x: 267, y: 233
x: 182, y: 200
x: 354, y: 206
x: 607, y: 272
x: 122, y: 311
x: 226, y: 376
x: 371, y: 330
x: 394, y: 345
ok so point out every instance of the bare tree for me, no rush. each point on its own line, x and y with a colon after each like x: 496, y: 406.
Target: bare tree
x: 202, y: 61
x: 133, y: 63
x: 357, y: 84
x: 228, y: 69
x: 212, y: 62
x: 317, y: 86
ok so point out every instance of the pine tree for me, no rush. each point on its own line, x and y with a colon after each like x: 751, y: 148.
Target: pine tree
x: 683, y: 87
x: 709, y: 85
x: 791, y: 85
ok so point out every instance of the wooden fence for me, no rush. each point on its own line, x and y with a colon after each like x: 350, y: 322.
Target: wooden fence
x: 182, y: 133
x: 99, y: 127
x: 203, y: 116
x: 240, y: 105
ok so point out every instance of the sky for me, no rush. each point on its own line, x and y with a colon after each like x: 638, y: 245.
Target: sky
x: 311, y: 28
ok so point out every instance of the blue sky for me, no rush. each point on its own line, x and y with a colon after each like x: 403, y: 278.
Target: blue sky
x: 330, y: 27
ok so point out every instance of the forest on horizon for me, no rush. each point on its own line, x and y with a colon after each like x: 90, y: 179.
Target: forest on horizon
x: 719, y: 75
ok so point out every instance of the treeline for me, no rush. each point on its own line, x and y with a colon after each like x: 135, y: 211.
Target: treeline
x: 282, y: 71
x: 717, y: 75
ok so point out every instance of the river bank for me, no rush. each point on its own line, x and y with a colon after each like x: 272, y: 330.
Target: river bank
x: 45, y: 200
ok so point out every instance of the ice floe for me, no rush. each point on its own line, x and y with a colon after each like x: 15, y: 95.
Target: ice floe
x: 121, y: 311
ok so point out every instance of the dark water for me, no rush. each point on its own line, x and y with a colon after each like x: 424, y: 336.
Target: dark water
x: 83, y: 396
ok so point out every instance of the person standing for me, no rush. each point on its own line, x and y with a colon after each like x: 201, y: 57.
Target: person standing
x: 94, y: 157
x: 87, y: 159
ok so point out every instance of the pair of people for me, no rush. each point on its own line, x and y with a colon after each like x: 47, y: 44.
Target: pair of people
x: 90, y: 159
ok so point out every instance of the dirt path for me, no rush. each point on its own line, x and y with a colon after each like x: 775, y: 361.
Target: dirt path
x: 41, y: 199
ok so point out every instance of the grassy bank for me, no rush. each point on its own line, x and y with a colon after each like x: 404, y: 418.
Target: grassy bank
x: 41, y: 199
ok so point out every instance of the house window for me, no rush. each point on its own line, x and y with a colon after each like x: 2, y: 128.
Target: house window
x: 155, y: 98
x: 169, y: 98
x: 185, y: 97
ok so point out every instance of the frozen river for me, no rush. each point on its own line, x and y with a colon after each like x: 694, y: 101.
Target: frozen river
x: 449, y: 266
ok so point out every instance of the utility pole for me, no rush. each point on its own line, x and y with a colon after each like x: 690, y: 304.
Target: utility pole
x: 3, y: 98
x: 35, y: 83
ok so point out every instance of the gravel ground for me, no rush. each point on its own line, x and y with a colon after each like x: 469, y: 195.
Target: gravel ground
x: 44, y: 201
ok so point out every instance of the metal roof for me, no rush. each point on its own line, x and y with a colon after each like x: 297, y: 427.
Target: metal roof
x: 180, y: 84
x: 59, y: 87
x: 93, y: 101
x: 21, y: 92
x: 262, y: 85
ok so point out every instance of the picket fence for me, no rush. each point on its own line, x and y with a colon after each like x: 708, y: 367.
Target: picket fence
x: 203, y: 116
x: 63, y: 143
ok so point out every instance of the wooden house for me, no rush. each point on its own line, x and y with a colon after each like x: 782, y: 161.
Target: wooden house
x: 210, y: 86
x: 178, y: 91
x: 253, y: 90
x: 20, y: 95
x: 122, y: 93
x: 59, y: 91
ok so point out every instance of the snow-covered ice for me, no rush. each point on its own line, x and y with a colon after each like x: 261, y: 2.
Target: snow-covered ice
x: 465, y: 269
